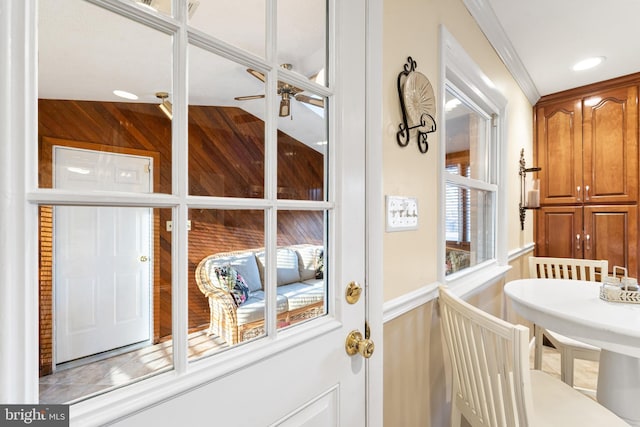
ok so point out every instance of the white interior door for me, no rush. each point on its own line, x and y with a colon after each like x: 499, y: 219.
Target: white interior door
x: 102, y: 256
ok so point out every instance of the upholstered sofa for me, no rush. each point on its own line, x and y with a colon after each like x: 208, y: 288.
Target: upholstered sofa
x: 234, y: 284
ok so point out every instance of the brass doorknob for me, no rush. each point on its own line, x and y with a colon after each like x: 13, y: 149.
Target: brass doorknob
x: 357, y: 344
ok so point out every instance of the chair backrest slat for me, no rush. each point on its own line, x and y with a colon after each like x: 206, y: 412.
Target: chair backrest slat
x: 491, y: 382
x: 568, y: 268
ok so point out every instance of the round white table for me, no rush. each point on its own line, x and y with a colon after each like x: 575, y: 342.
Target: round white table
x: 574, y: 308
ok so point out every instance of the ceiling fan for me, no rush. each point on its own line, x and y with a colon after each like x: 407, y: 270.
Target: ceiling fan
x: 286, y: 91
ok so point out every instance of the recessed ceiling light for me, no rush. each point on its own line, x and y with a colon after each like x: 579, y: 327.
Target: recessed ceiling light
x: 585, y: 64
x: 125, y: 94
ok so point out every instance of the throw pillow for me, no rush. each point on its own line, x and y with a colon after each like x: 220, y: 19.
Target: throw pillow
x: 232, y: 282
x: 320, y: 264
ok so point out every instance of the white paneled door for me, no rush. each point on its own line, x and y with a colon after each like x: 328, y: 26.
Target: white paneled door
x: 102, y: 256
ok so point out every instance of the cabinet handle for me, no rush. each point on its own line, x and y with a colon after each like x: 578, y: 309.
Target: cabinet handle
x: 578, y: 190
x: 578, y: 241
x: 588, y: 244
x: 586, y: 192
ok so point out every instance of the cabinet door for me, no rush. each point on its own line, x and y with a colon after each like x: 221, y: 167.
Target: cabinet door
x: 611, y: 233
x: 559, y: 152
x: 610, y: 144
x: 559, y: 232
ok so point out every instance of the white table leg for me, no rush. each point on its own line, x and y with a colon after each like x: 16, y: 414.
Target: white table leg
x: 619, y: 385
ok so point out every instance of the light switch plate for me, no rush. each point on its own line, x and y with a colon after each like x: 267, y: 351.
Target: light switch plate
x: 402, y: 213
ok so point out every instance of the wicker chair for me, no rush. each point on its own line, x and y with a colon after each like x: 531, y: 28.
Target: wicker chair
x: 569, y: 349
x: 492, y: 383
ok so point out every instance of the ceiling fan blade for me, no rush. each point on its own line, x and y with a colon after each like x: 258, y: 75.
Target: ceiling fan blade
x: 244, y: 98
x: 257, y: 74
x: 310, y: 100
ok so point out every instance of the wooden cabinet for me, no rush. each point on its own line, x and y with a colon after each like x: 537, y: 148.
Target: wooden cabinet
x: 592, y: 232
x: 588, y: 148
x: 586, y: 142
x: 559, y: 231
x: 611, y: 233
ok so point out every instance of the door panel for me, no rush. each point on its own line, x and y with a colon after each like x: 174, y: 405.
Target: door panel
x: 559, y: 232
x: 611, y: 146
x: 613, y: 234
x: 559, y: 152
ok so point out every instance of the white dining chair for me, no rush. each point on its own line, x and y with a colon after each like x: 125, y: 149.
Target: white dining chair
x: 569, y: 349
x: 492, y: 383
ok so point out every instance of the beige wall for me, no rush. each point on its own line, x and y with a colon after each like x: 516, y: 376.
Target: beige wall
x: 415, y: 378
x: 411, y: 28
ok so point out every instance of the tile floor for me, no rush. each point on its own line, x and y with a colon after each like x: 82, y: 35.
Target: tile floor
x: 80, y: 382
x: 585, y: 372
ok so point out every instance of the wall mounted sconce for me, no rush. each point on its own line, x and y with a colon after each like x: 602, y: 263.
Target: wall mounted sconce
x: 165, y: 105
x: 528, y: 199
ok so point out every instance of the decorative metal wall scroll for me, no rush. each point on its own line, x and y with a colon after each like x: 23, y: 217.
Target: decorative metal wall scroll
x: 418, y: 106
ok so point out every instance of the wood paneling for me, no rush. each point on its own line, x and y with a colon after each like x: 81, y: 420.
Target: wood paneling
x: 226, y: 158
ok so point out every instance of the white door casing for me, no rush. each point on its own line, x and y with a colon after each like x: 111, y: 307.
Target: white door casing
x: 102, y: 256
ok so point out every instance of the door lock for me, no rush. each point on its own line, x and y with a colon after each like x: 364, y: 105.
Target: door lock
x: 353, y: 292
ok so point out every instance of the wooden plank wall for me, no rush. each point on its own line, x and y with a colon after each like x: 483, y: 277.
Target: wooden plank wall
x: 226, y: 158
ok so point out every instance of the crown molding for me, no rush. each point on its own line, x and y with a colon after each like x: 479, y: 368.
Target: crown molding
x: 488, y: 22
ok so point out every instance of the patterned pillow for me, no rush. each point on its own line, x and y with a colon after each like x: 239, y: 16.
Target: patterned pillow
x: 320, y: 264
x: 231, y: 281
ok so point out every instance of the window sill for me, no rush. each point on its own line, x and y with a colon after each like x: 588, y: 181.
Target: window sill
x: 474, y: 279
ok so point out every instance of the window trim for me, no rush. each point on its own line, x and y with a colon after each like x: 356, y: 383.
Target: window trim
x: 457, y: 67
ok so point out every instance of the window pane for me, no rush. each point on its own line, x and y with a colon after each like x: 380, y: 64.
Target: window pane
x: 301, y: 267
x: 105, y: 300
x: 78, y: 73
x: 467, y: 136
x: 247, y: 30
x: 470, y: 227
x: 226, y: 273
x: 226, y: 136
x: 302, y: 37
x: 302, y: 153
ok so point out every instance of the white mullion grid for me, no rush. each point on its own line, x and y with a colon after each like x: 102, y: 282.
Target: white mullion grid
x: 271, y: 165
x: 470, y: 182
x: 137, y: 13
x: 225, y: 50
x: 180, y: 183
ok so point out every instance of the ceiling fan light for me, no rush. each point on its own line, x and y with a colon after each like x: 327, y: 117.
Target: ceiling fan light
x: 285, y: 107
x: 165, y: 105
